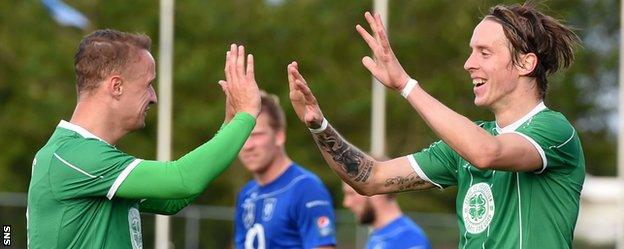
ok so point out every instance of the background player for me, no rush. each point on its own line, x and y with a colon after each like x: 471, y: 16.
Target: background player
x: 391, y: 229
x: 284, y: 206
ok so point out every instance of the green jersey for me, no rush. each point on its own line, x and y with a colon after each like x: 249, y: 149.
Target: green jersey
x: 70, y: 198
x: 503, y: 209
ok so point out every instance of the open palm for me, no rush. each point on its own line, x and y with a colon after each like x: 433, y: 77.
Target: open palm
x: 301, y: 97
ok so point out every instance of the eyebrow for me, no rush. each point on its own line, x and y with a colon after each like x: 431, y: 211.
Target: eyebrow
x: 481, y: 47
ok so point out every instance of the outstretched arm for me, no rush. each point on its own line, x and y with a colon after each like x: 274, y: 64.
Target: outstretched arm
x: 510, y: 152
x: 189, y: 175
x: 365, y: 174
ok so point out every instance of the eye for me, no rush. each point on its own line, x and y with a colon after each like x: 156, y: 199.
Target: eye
x: 485, y: 53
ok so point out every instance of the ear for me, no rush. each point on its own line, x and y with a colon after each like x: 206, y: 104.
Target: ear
x: 527, y: 64
x: 114, y: 85
x: 280, y: 138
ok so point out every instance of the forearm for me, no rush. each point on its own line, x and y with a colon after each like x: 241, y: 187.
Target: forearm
x: 350, y: 163
x: 462, y: 135
x: 166, y: 207
x: 190, y: 174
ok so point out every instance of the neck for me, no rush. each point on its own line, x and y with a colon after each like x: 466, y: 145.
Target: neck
x: 386, y: 213
x: 277, y: 167
x: 90, y: 115
x: 517, y: 104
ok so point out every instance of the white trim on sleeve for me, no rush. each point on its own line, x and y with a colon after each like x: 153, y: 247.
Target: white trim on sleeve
x: 74, y: 167
x: 419, y: 171
x: 539, y: 150
x: 122, y: 176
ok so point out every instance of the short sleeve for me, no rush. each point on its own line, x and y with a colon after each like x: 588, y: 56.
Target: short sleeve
x: 89, y: 168
x: 314, y: 214
x: 437, y: 164
x: 554, y: 138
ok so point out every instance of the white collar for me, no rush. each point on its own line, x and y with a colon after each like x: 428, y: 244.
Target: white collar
x: 78, y: 129
x: 513, y: 126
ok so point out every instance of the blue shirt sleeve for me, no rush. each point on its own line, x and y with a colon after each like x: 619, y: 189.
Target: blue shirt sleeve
x: 314, y: 214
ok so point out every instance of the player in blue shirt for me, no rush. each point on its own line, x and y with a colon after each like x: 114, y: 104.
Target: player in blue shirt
x: 391, y: 229
x: 285, y: 206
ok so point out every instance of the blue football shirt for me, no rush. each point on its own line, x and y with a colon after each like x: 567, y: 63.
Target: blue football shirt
x: 400, y: 233
x: 293, y: 211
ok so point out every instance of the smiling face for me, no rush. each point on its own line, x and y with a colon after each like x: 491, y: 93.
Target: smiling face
x: 138, y: 93
x: 490, y: 65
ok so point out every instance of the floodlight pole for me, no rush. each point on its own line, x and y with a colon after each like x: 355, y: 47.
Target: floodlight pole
x: 378, y: 117
x: 620, y: 151
x: 165, y: 93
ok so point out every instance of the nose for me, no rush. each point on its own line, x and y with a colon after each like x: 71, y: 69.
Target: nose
x: 470, y: 63
x: 249, y: 144
x: 153, y: 97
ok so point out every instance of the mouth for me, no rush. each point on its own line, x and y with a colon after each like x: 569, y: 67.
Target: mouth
x: 477, y: 82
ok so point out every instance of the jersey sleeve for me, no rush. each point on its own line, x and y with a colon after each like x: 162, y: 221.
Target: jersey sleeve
x: 555, y: 140
x: 437, y: 164
x: 191, y: 173
x: 314, y: 214
x: 165, y: 206
x: 89, y: 168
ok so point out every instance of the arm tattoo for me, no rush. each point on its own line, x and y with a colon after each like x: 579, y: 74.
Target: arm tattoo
x: 411, y: 181
x: 355, y: 163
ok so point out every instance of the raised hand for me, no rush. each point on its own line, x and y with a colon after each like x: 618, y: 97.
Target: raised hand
x: 229, y: 109
x: 240, y: 83
x: 385, y: 66
x: 302, y: 99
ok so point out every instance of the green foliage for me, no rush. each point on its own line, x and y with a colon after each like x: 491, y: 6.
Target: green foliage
x: 429, y: 37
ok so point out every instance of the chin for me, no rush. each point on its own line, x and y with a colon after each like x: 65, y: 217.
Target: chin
x: 139, y: 126
x: 480, y: 102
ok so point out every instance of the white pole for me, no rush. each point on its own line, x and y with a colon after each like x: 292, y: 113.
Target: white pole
x: 620, y: 150
x: 378, y: 117
x: 165, y: 92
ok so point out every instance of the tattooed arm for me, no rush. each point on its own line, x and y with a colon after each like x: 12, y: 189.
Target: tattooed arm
x: 365, y: 174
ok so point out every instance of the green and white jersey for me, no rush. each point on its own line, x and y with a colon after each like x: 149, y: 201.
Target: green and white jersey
x: 71, y: 200
x: 503, y: 209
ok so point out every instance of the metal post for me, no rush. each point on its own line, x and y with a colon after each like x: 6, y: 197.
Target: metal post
x: 378, y: 117
x: 620, y: 151
x: 165, y: 92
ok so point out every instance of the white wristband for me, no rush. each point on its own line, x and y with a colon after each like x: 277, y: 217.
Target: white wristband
x: 411, y: 83
x: 324, y: 125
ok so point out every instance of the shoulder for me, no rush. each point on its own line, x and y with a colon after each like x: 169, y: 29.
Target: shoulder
x: 549, y: 126
x: 410, y: 234
x: 549, y: 120
x: 246, y: 189
x: 304, y: 180
x: 84, y: 149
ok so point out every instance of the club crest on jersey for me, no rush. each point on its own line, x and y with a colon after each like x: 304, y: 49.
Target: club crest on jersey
x: 269, y: 207
x: 134, y: 220
x: 478, y: 208
x: 323, y: 224
x: 248, y: 213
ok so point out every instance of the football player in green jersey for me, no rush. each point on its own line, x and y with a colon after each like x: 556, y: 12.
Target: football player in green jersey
x: 518, y: 177
x: 84, y: 192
